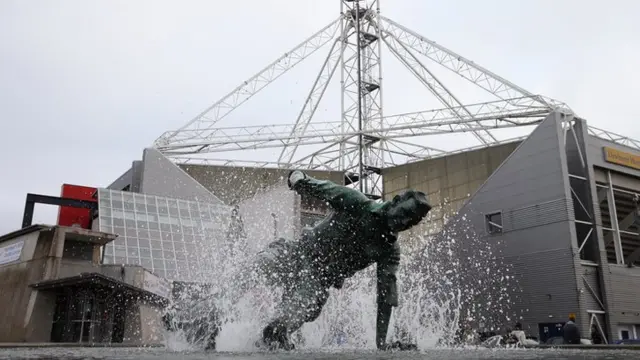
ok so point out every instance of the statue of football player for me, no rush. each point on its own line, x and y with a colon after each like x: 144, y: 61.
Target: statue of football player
x: 358, y: 233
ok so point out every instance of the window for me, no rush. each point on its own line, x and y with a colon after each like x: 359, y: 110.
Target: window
x: 77, y: 250
x: 624, y: 334
x: 494, y: 223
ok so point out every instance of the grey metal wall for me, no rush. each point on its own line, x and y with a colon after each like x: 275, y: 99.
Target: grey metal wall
x: 162, y: 177
x: 448, y: 182
x: 234, y: 183
x: 531, y: 192
x: 122, y: 181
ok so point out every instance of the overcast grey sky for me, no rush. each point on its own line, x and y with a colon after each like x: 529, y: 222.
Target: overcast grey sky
x: 85, y: 85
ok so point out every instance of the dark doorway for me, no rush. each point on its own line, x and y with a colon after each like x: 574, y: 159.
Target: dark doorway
x: 87, y: 316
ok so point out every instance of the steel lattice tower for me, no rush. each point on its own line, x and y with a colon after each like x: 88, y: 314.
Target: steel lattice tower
x: 365, y: 140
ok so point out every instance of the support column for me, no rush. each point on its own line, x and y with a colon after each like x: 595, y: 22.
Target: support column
x: 615, y: 225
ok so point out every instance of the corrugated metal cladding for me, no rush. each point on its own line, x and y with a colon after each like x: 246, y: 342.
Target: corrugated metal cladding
x: 547, y: 281
x: 625, y: 289
x: 536, y: 215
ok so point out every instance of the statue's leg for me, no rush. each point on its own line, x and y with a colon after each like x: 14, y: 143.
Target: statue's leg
x: 303, y: 302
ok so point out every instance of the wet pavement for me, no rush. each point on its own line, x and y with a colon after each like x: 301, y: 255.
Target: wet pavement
x: 463, y: 354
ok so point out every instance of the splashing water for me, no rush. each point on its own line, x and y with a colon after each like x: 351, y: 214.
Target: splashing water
x: 446, y: 282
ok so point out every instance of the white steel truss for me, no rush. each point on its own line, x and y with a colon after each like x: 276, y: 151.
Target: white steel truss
x: 365, y: 140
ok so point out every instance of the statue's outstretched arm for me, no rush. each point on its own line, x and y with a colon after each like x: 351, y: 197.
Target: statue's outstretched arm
x: 387, y: 296
x: 338, y: 196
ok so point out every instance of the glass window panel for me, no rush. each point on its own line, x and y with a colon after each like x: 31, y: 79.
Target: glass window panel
x: 120, y: 260
x: 131, y: 232
x: 108, y: 250
x: 132, y: 242
x: 120, y: 251
x: 107, y: 228
x: 129, y: 206
x: 133, y: 252
x: 144, y: 243
x: 105, y: 221
x: 106, y: 203
x: 170, y: 265
x: 170, y: 274
x: 159, y: 228
x: 146, y: 263
x: 153, y: 200
x: 184, y: 213
x: 107, y: 260
x: 159, y: 272
x: 141, y: 208
x: 145, y: 252
x: 158, y: 263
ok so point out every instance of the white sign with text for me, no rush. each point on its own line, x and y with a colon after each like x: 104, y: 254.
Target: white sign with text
x: 11, y: 253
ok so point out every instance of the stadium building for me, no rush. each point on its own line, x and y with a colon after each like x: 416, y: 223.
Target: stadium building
x: 556, y: 204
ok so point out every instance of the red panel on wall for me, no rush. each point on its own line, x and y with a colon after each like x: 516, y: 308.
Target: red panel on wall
x: 70, y: 216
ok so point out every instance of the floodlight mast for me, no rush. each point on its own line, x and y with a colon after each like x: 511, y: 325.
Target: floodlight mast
x: 364, y: 141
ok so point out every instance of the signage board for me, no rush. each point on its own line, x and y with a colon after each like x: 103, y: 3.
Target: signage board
x: 622, y: 158
x: 11, y: 253
x: 156, y: 285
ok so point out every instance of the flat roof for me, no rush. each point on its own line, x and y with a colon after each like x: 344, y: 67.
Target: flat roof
x: 72, y: 233
x: 92, y: 236
x: 98, y: 279
x: 23, y: 231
